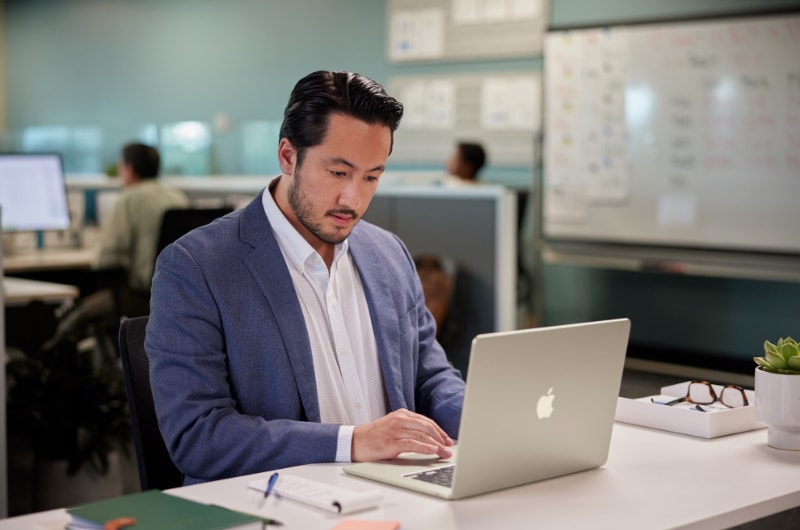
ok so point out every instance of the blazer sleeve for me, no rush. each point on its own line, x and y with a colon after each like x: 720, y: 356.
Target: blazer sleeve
x: 225, y: 395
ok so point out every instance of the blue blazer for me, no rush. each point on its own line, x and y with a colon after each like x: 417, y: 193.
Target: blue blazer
x: 230, y: 359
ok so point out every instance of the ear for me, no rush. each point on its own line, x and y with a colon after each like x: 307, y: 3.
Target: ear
x: 287, y: 156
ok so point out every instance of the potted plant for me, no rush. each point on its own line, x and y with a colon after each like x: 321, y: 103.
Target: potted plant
x: 777, y: 387
x: 67, y: 399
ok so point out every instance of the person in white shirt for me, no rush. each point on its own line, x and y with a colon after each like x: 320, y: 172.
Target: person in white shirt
x: 291, y: 331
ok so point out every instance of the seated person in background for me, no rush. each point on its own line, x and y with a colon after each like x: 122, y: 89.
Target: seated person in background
x: 129, y: 238
x: 447, y: 297
x: 437, y: 286
x: 291, y: 332
x: 466, y: 161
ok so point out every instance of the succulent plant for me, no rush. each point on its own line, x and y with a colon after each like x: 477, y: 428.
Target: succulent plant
x: 780, y: 358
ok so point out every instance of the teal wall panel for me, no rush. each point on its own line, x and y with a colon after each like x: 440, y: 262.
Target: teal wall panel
x: 575, y: 13
x: 121, y: 64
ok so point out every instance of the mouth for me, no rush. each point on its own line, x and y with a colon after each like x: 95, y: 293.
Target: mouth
x: 342, y: 219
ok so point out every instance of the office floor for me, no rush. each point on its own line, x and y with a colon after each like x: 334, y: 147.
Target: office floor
x: 635, y: 383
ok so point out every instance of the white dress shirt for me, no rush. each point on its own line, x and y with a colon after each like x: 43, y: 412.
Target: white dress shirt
x: 348, y: 375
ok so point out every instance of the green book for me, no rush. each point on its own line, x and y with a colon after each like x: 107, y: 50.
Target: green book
x: 155, y: 510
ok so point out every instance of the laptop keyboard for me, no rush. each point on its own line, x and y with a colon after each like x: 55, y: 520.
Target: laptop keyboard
x: 443, y: 476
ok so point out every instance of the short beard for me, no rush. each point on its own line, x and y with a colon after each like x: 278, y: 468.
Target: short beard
x: 303, y: 211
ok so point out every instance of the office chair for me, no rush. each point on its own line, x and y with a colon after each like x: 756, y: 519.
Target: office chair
x: 179, y: 221
x: 156, y: 469
x: 93, y: 316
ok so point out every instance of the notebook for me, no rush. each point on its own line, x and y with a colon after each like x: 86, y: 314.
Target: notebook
x: 539, y: 403
x: 154, y: 510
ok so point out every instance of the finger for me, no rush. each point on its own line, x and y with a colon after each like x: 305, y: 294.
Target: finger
x: 398, y: 432
x: 423, y: 424
x: 423, y: 434
x: 419, y: 447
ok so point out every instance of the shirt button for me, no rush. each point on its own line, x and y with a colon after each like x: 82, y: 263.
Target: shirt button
x: 358, y: 406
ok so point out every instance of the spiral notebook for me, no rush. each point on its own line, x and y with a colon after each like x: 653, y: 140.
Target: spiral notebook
x: 319, y: 494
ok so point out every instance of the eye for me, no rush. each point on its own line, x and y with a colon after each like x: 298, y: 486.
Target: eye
x: 372, y: 178
x: 338, y: 173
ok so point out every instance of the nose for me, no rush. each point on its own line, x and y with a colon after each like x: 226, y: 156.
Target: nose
x: 350, y: 195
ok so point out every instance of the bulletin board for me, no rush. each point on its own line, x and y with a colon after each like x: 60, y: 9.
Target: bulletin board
x: 680, y: 135
x: 501, y: 110
x: 444, y: 30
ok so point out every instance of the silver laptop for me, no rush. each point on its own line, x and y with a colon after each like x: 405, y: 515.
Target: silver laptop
x: 539, y: 404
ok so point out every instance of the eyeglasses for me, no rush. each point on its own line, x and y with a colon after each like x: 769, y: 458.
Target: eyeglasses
x: 703, y: 393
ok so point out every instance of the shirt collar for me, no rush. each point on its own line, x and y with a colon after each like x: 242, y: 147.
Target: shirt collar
x: 295, y: 248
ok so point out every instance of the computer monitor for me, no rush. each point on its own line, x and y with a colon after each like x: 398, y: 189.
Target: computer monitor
x: 33, y: 192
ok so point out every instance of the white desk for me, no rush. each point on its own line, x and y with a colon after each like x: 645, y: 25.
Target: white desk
x: 49, y: 259
x: 20, y: 291
x: 652, y: 480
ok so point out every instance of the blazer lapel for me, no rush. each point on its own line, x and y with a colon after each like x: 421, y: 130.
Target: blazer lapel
x: 269, y: 270
x: 383, y: 309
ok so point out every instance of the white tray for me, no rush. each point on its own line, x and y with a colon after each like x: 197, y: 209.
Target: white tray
x: 718, y: 420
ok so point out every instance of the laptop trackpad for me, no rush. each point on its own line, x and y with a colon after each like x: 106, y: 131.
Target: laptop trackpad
x: 417, y: 457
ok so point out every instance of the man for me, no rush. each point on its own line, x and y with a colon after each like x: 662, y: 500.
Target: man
x: 289, y: 332
x: 466, y: 161
x: 128, y: 239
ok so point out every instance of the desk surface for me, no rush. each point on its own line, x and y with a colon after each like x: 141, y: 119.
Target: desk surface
x: 19, y: 291
x: 652, y: 480
x: 49, y: 259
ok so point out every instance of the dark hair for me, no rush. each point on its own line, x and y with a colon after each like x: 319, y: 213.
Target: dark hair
x: 473, y: 154
x: 144, y: 160
x: 322, y: 93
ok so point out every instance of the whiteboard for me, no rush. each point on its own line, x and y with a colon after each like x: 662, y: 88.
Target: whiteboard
x: 684, y: 134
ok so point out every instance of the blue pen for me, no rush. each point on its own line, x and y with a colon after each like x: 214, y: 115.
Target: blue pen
x: 270, y: 484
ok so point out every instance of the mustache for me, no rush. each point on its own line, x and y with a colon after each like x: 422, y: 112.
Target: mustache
x: 344, y: 211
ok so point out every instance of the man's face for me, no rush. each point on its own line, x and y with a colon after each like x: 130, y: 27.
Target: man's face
x: 333, y: 187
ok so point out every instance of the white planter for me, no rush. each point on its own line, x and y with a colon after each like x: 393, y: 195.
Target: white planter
x: 778, y: 406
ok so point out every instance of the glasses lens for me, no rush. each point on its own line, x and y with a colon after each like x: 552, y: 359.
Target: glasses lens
x: 701, y: 393
x: 733, y: 397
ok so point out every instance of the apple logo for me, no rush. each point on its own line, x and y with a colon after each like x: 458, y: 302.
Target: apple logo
x: 544, y: 407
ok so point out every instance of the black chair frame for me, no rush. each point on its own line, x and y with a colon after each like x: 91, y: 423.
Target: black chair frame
x: 156, y: 468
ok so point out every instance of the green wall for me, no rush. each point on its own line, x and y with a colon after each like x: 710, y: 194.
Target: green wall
x: 119, y: 64
x: 571, y: 13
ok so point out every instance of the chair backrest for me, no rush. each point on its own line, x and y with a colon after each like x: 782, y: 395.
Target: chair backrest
x: 179, y: 221
x: 156, y: 469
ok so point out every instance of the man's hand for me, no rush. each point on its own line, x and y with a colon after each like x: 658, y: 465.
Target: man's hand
x: 401, y: 431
